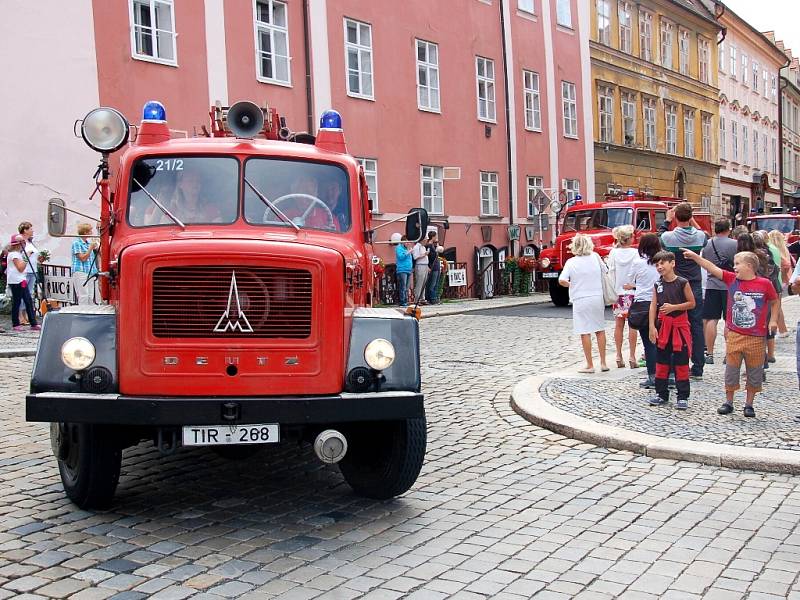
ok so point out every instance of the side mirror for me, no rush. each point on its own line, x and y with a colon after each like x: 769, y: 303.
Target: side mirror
x: 56, y: 217
x: 416, y: 224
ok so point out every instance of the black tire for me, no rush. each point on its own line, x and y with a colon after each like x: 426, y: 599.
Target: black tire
x: 384, y: 459
x: 89, y: 461
x: 237, y: 452
x: 558, y: 293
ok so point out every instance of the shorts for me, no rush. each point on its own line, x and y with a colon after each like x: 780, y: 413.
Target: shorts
x: 751, y: 349
x: 714, y: 304
x: 621, y: 307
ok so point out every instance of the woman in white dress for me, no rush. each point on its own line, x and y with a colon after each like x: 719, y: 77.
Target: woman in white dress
x: 582, y: 274
x: 619, y: 262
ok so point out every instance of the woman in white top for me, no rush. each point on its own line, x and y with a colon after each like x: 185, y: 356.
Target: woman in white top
x: 619, y: 263
x: 15, y: 277
x: 31, y: 258
x: 643, y: 280
x: 582, y: 274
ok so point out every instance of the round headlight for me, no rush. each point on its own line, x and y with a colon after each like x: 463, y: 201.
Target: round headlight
x: 105, y: 129
x: 379, y: 354
x: 545, y: 262
x: 77, y: 353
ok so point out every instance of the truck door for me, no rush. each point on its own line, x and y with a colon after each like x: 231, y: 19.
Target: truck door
x: 643, y: 223
x: 661, y: 216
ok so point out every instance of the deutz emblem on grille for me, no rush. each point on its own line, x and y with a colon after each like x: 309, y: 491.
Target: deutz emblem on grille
x: 238, y: 320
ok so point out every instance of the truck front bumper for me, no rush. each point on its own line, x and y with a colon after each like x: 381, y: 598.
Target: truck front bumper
x: 116, y: 409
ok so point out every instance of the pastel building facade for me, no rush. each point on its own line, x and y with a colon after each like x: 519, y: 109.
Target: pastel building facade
x: 749, y: 152
x: 467, y: 108
x: 790, y: 122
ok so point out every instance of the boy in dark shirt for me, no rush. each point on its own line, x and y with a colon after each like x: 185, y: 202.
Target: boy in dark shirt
x: 669, y: 330
x: 750, y: 298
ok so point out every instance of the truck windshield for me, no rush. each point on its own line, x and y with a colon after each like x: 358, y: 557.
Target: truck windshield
x: 312, y: 195
x: 195, y: 190
x: 782, y: 224
x: 600, y: 218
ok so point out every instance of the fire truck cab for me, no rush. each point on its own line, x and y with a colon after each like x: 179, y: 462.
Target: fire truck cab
x: 236, y: 271
x: 644, y: 212
x: 788, y: 223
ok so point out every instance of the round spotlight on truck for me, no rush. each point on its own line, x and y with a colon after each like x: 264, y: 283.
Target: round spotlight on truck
x: 105, y: 130
x: 77, y: 353
x: 544, y: 263
x: 379, y: 354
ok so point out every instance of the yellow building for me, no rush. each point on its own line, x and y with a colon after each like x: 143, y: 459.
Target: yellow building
x: 656, y: 98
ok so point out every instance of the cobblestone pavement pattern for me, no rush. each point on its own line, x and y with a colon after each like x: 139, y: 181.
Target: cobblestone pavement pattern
x: 502, y: 509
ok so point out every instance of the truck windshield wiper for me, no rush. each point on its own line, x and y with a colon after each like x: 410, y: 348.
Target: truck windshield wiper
x: 163, y: 208
x: 271, y: 206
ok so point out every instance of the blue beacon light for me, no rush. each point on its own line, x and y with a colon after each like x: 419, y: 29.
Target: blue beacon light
x: 154, y: 111
x: 330, y: 119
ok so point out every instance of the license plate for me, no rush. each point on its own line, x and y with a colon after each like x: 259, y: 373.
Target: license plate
x: 550, y: 275
x: 225, y: 435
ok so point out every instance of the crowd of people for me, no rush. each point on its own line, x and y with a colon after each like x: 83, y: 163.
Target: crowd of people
x: 419, y: 261
x: 672, y: 291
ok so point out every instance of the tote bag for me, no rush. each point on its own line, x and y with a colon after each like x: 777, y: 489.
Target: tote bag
x: 609, y: 293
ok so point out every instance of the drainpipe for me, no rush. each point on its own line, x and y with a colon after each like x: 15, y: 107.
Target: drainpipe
x: 309, y: 80
x: 509, y: 156
x: 779, y: 149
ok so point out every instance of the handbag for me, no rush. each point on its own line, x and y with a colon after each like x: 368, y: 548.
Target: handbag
x: 609, y: 292
x: 639, y: 315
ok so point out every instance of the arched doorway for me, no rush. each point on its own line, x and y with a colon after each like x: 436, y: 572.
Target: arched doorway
x: 485, y: 265
x: 680, y: 183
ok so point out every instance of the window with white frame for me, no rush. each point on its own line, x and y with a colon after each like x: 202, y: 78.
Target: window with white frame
x: 766, y: 84
x: 706, y: 135
x: 745, y: 146
x: 765, y: 140
x: 535, y: 185
x: 774, y: 155
x: 794, y: 118
x: 732, y: 52
x: 272, y: 38
x: 683, y: 51
x: 756, y: 157
x: 525, y: 6
x: 569, y: 106
x: 572, y: 189
x: 490, y: 202
x: 428, y: 76
x: 532, y: 101
x: 721, y: 56
x: 745, y: 72
x: 671, y: 119
x: 688, y: 133
x: 649, y: 110
x: 605, y: 98
x: 484, y: 74
x: 755, y: 76
x: 153, y: 30
x: 432, y: 182
x: 773, y: 87
x: 358, y: 50
x: 703, y: 60
x: 629, y: 118
x: 625, y: 26
x: 645, y: 35
x: 723, y: 139
x: 667, y: 33
x: 370, y: 166
x: 604, y: 22
x: 564, y: 13
x: 735, y: 141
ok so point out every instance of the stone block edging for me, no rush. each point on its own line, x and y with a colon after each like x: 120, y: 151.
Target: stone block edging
x: 529, y: 404
x: 14, y: 352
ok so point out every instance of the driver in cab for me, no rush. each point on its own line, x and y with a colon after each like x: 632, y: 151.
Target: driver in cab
x: 309, y: 204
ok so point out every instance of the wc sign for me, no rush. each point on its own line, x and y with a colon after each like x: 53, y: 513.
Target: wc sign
x: 59, y: 287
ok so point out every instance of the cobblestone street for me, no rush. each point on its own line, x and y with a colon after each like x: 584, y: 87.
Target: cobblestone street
x: 502, y: 509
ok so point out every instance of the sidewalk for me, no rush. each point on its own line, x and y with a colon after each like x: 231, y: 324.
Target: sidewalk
x: 24, y: 343
x: 611, y: 410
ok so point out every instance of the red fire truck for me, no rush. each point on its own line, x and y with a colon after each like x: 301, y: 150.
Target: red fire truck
x: 645, y: 212
x: 787, y: 223
x: 237, y: 272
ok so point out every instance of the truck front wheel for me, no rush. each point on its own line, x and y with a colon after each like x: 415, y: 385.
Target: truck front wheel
x: 89, y: 461
x: 558, y: 293
x: 384, y: 459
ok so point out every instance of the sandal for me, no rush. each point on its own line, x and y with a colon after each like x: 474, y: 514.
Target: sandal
x: 604, y: 369
x: 633, y: 364
x: 620, y: 363
x: 587, y: 370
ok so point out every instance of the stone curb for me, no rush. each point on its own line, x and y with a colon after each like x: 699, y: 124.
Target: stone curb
x: 457, y: 310
x: 529, y: 404
x: 14, y: 352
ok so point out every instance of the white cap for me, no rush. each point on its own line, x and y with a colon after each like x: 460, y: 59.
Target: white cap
x: 396, y: 238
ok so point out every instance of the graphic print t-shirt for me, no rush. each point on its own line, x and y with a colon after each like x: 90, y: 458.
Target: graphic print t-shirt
x: 747, y: 304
